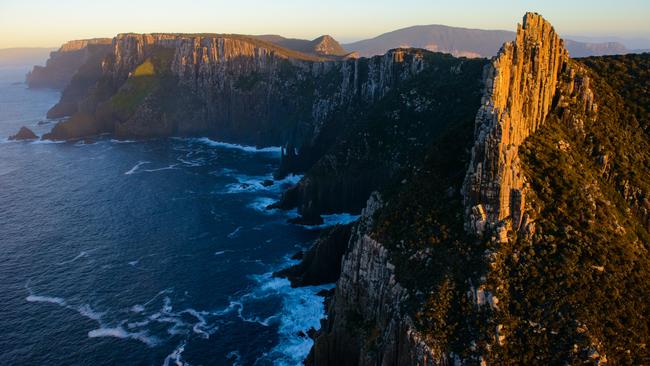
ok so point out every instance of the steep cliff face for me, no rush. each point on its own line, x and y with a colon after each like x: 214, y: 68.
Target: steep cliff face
x: 536, y: 253
x: 521, y: 84
x: 366, y: 324
x: 238, y: 88
x: 64, y: 63
x: 381, y: 143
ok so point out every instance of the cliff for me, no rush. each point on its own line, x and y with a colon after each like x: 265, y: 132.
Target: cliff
x: 233, y: 88
x: 519, y: 243
x: 366, y: 324
x: 534, y: 62
x: 513, y: 221
x: 379, y: 144
x: 64, y: 63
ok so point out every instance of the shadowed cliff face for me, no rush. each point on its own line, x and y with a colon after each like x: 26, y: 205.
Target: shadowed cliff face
x: 64, y: 63
x: 380, y: 144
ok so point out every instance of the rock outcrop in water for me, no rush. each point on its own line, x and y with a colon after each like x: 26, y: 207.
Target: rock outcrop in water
x: 321, y: 264
x: 24, y: 134
x: 64, y: 63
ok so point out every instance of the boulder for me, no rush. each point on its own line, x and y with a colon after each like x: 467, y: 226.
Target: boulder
x: 24, y: 134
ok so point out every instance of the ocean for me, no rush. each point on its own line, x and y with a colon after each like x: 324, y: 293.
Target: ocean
x: 156, y: 252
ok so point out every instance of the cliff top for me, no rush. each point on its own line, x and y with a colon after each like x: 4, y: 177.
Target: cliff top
x: 258, y: 41
x: 78, y: 44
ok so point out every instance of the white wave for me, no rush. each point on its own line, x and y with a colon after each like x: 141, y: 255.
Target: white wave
x: 235, y: 233
x: 45, y: 142
x: 137, y: 308
x: 137, y: 261
x: 122, y: 141
x: 170, y: 167
x: 88, y: 312
x: 84, y: 310
x: 175, y: 358
x: 135, y: 168
x: 248, y: 183
x: 82, y: 254
x: 201, y: 327
x: 260, y: 204
x: 139, y: 324
x: 291, y: 179
x: 119, y: 332
x: 246, y: 148
x: 52, y: 300
x: 334, y: 219
x: 192, y: 163
x: 301, y: 310
x: 222, y: 252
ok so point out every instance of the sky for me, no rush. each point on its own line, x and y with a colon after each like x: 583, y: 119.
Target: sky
x: 49, y: 23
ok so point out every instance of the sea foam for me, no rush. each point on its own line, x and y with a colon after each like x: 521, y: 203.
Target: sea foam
x: 135, y: 168
x: 246, y: 148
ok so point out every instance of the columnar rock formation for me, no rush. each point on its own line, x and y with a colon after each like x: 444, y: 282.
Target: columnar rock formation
x: 521, y: 86
x: 241, y: 88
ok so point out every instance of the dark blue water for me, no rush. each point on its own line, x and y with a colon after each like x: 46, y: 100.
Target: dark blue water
x: 142, y: 253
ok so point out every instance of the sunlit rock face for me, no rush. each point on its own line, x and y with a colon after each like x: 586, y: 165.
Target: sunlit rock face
x: 521, y: 85
x: 234, y: 87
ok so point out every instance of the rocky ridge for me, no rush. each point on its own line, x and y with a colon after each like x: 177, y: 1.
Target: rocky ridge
x: 522, y: 85
x: 239, y: 88
x: 467, y: 42
x: 371, y: 319
x: 324, y: 46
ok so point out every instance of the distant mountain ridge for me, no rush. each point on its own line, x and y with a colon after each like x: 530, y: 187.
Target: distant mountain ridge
x: 465, y: 42
x: 324, y: 45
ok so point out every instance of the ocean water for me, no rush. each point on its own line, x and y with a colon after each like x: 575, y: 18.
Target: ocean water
x: 154, y: 252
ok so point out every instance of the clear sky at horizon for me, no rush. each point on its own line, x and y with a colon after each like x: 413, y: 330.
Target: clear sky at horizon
x: 46, y: 23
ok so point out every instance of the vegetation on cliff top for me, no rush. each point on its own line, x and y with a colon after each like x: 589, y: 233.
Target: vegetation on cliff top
x: 575, y: 291
x: 579, y: 288
x: 629, y: 75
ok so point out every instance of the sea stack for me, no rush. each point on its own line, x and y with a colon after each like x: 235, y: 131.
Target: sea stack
x: 24, y: 134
